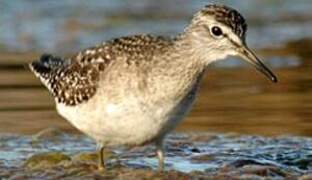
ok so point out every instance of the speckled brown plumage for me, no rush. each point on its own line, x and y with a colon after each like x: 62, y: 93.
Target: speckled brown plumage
x: 137, y: 48
x: 134, y: 90
x: 69, y: 82
x: 75, y: 80
x: 227, y: 16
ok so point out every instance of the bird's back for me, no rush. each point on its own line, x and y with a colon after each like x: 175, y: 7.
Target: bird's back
x: 75, y: 80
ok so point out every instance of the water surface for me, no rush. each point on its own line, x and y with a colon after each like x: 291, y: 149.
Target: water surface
x: 194, y: 155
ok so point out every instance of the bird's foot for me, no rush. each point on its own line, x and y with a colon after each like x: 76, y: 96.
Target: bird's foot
x: 101, y: 168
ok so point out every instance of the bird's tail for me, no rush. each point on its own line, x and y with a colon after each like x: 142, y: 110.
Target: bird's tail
x: 46, y: 66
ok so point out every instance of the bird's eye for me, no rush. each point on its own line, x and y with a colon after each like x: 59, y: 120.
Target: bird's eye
x: 216, y: 31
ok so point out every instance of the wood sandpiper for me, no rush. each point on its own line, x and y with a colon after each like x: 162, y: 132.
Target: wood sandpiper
x: 134, y: 90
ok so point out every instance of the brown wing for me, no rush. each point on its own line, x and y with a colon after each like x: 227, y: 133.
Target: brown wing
x: 74, y: 84
x: 76, y: 80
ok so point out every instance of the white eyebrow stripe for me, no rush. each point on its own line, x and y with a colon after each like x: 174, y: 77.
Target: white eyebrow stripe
x: 237, y: 44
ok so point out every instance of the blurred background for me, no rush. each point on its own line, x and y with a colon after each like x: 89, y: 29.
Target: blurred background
x: 233, y: 98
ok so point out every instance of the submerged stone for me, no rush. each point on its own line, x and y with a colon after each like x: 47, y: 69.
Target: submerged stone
x: 202, y: 158
x: 92, y: 156
x: 44, y: 160
x: 86, y: 157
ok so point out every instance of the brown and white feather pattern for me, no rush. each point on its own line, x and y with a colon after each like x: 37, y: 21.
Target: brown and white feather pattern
x: 134, y: 90
x: 227, y: 16
x: 68, y: 81
x: 76, y: 80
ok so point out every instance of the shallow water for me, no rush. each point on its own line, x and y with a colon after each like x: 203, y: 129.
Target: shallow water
x: 210, y: 155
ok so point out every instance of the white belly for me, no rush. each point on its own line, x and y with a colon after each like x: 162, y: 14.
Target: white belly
x: 112, y: 124
x: 127, y: 122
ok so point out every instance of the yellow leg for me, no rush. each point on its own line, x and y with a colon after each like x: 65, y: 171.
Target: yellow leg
x: 101, y: 165
x: 160, y: 155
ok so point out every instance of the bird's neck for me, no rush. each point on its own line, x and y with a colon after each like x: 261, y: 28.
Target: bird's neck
x: 193, y: 42
x: 178, y: 71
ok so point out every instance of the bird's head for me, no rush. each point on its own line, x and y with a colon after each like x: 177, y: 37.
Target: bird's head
x: 218, y: 31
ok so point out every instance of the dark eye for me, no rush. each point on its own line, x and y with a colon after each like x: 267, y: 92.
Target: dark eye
x: 216, y: 31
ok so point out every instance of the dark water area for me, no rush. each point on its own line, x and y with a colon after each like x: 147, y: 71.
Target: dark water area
x: 270, y: 125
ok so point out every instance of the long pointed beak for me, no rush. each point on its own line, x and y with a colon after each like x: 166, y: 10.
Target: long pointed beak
x: 251, y: 58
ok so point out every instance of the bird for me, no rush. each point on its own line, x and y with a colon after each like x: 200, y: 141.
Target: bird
x: 134, y: 90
